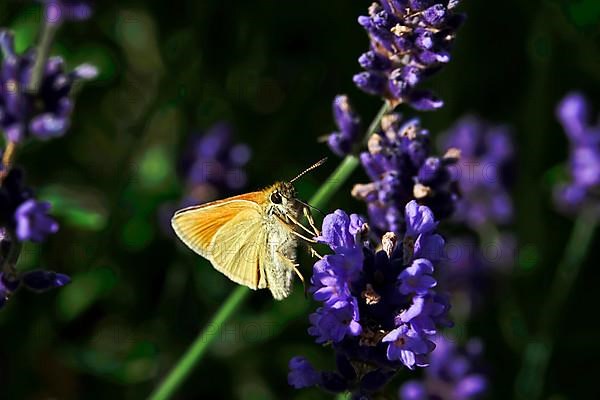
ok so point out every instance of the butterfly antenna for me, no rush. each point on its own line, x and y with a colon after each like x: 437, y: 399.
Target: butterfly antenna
x: 315, y: 165
x: 310, y: 206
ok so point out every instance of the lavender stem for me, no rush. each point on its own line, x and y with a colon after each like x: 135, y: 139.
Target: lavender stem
x: 42, y: 52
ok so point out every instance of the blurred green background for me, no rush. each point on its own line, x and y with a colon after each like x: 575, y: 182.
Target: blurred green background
x: 169, y: 69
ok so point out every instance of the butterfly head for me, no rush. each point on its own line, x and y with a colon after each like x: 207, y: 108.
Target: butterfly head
x: 282, y: 198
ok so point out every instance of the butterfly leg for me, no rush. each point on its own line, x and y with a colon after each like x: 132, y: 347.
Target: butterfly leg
x: 310, y: 220
x: 301, y: 236
x: 297, y: 223
x: 314, y: 253
x: 294, y: 266
x: 308, y: 240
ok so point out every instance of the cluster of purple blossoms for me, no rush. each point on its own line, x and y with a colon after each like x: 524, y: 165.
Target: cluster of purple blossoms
x: 455, y: 373
x: 41, y: 112
x: 46, y: 113
x: 410, y: 41
x: 484, y: 171
x: 379, y: 308
x: 401, y: 168
x: 213, y: 165
x: 21, y: 213
x: 584, y: 161
x: 23, y: 218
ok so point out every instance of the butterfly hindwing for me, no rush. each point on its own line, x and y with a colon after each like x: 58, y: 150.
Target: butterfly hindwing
x: 239, y: 250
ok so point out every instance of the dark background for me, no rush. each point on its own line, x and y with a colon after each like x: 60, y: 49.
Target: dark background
x: 271, y: 68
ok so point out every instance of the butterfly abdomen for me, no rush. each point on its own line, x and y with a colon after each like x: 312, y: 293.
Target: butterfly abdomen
x: 281, y: 244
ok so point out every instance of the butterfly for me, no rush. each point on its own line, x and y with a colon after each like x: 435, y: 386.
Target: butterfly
x: 251, y: 238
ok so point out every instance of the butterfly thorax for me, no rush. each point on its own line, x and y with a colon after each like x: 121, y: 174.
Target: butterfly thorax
x: 282, y: 208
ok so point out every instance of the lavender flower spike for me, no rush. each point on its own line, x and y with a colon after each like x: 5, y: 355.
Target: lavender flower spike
x: 402, y: 167
x: 410, y: 41
x: 379, y: 309
x: 213, y: 164
x: 46, y: 114
x: 483, y: 172
x: 23, y: 218
x: 584, y: 160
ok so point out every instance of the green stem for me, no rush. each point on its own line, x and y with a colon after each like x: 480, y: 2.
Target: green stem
x: 335, y: 180
x: 195, y: 352
x: 41, y: 55
x: 345, y: 169
x: 530, y: 380
x: 186, y: 364
x: 376, y: 121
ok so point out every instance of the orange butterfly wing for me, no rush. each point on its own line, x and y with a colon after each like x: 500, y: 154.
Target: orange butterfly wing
x: 229, y: 234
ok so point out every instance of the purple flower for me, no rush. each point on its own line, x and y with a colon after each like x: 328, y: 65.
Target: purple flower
x: 41, y: 280
x: 47, y: 113
x: 33, y: 222
x: 402, y: 169
x: 302, y: 374
x: 483, y: 172
x: 419, y: 220
x: 407, y: 346
x: 413, y: 390
x: 417, y: 278
x: 584, y: 160
x: 420, y: 240
x: 21, y: 213
x: 332, y: 276
x: 378, y: 308
x: 57, y: 11
x: 410, y: 41
x: 348, y: 123
x: 37, y: 280
x: 333, y: 323
x: 426, y: 313
x: 339, y: 231
x: 213, y: 165
x: 573, y: 113
x: 455, y: 373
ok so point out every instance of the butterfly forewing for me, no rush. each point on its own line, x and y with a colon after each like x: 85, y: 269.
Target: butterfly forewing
x: 216, y: 230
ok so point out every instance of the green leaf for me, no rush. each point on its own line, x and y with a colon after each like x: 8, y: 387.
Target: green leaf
x: 75, y: 208
x: 84, y: 289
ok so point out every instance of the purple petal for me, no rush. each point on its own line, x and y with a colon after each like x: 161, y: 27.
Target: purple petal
x: 41, y: 280
x: 47, y: 126
x: 424, y: 100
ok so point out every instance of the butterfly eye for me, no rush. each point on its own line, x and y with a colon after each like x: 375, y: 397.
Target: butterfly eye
x: 275, y: 198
